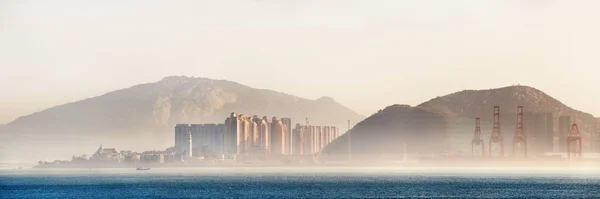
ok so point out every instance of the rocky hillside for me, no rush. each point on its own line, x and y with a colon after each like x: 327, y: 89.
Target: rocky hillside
x: 145, y: 114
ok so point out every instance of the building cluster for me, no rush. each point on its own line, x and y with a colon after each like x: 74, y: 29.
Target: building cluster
x: 207, y: 139
x: 312, y: 139
x: 242, y: 136
x: 110, y: 155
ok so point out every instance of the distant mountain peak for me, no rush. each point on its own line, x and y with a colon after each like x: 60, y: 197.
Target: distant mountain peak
x: 326, y: 99
x: 399, y: 106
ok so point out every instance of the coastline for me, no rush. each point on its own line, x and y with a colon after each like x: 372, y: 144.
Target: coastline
x: 471, y: 163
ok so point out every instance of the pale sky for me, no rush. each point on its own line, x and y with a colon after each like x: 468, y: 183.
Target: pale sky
x: 365, y: 54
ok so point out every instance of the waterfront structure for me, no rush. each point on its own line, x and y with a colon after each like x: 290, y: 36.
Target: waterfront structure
x: 152, y: 158
x: 106, y: 155
x: 564, y: 127
x: 131, y: 158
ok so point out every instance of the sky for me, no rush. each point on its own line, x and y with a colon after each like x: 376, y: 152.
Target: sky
x: 365, y: 54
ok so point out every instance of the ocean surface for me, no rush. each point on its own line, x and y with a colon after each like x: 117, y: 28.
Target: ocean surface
x: 297, y: 183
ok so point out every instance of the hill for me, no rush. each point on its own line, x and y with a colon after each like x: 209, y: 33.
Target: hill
x: 143, y: 116
x: 479, y: 103
x: 385, y: 131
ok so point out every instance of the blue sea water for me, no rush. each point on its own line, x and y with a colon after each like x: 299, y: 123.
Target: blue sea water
x: 118, y: 184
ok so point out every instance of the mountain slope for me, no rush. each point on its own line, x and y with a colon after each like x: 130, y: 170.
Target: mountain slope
x: 453, y: 114
x: 385, y: 132
x: 145, y: 114
x: 479, y: 103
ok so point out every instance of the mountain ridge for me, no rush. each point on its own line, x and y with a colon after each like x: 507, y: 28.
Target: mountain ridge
x: 168, y: 85
x: 508, y: 98
x: 149, y: 112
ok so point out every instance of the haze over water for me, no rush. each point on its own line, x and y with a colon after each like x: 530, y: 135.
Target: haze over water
x: 294, y: 182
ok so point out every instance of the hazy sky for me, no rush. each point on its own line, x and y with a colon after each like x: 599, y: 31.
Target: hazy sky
x: 366, y: 54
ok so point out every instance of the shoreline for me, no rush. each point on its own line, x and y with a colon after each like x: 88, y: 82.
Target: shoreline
x: 446, y: 164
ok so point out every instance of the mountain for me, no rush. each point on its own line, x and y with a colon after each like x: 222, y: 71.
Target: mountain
x: 458, y: 110
x: 143, y: 116
x: 478, y: 103
x: 386, y: 132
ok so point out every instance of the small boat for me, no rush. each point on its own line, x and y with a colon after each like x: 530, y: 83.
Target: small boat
x: 143, y: 168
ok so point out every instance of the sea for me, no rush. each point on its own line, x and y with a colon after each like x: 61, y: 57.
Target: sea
x: 279, y: 182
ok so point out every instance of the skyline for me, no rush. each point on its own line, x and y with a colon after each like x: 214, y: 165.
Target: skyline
x: 365, y: 55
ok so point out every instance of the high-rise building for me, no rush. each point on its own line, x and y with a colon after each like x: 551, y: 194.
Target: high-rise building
x: 254, y: 130
x: 247, y: 135
x: 319, y: 139
x: 244, y: 135
x: 288, y: 129
x: 332, y: 134
x: 231, y: 135
x: 181, y: 135
x: 207, y: 139
x: 312, y: 139
x: 307, y: 134
x: 315, y: 141
x: 336, y: 133
x: 188, y: 151
x: 564, y: 127
x: 278, y: 137
x: 264, y: 134
x: 326, y: 132
x: 297, y: 140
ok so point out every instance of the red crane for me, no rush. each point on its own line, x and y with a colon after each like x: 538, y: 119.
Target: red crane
x: 477, y: 141
x: 574, y: 136
x: 496, y: 136
x: 520, y: 139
